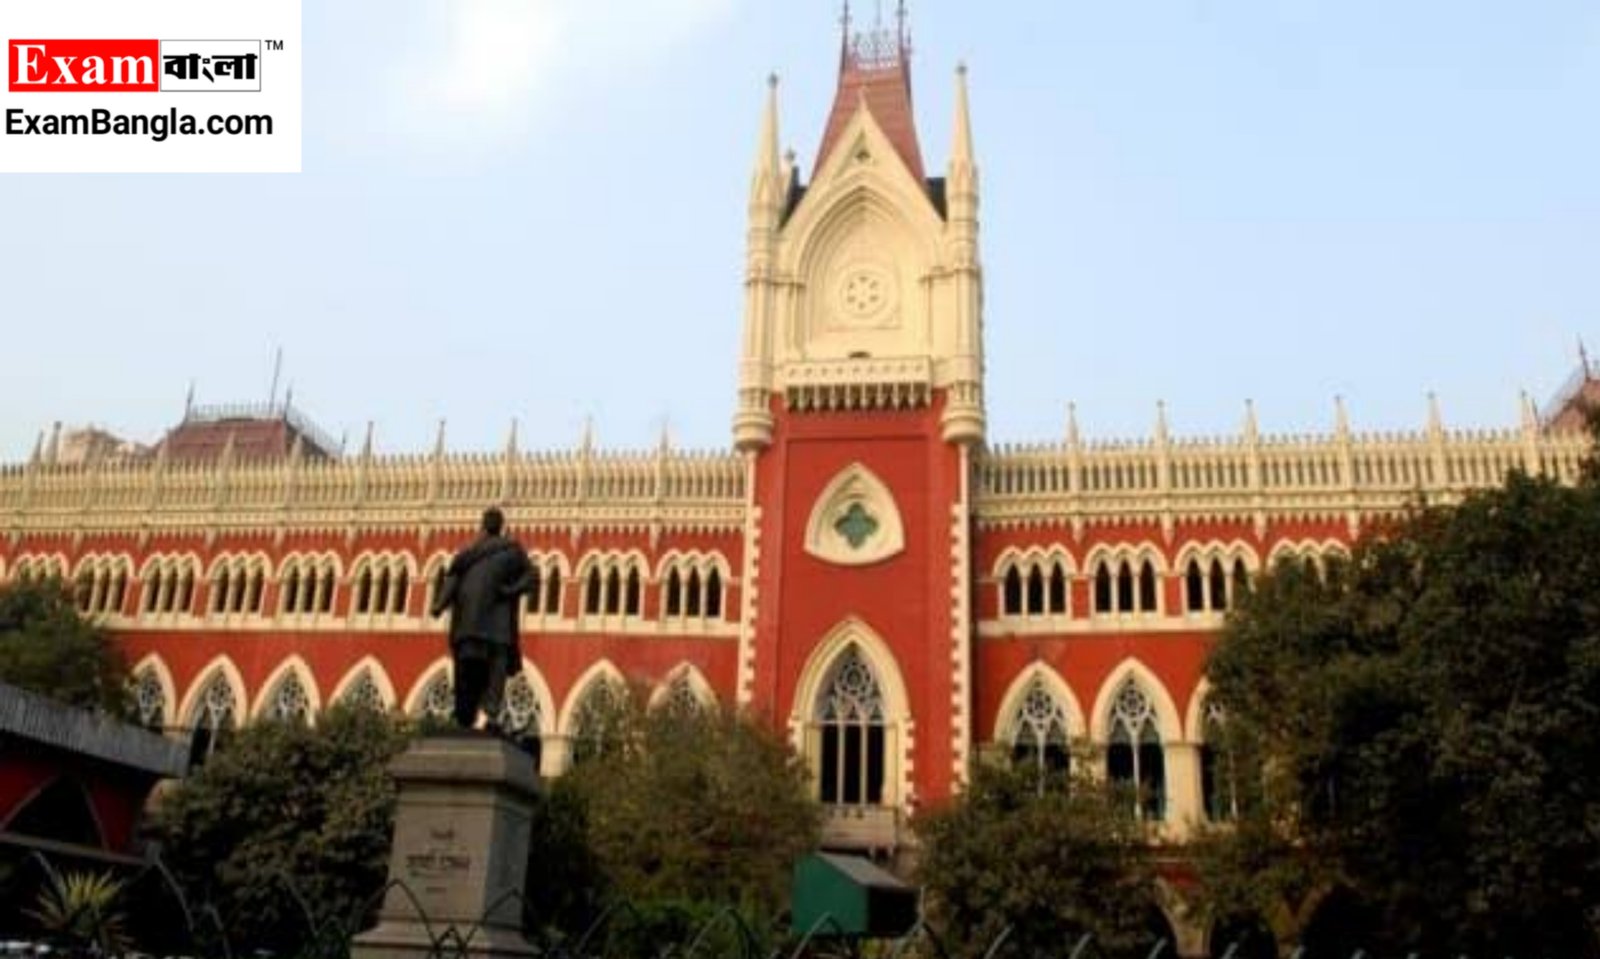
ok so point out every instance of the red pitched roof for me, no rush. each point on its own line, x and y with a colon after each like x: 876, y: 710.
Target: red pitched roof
x: 880, y: 73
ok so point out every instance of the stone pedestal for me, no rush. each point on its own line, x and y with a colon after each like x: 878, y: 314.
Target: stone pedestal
x: 460, y: 851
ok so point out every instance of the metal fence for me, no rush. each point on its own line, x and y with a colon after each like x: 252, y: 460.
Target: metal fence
x: 620, y: 930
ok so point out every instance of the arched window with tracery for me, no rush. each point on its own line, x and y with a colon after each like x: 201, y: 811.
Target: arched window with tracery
x: 150, y: 700
x: 215, y: 714
x: 520, y: 717
x: 852, y: 728
x: 438, y: 699
x: 363, y: 694
x: 1134, y: 755
x: 1039, y: 740
x: 290, y: 703
x: 597, y: 720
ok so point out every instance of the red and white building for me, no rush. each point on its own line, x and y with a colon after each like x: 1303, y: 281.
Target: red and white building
x: 862, y: 568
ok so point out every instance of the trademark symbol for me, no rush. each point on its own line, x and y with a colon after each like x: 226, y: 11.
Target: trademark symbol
x: 274, y: 44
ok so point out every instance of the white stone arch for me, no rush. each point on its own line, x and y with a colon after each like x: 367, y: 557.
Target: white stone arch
x: 153, y: 664
x: 1168, y: 722
x: 817, y: 672
x: 419, y: 689
x: 1205, y: 551
x: 544, y: 559
x: 841, y: 187
x: 311, y: 560
x: 247, y: 561
x: 1025, y: 557
x: 292, y: 664
x: 1194, y: 718
x: 689, y: 673
x: 602, y: 671
x: 43, y: 565
x: 369, y: 666
x: 1077, y: 726
x: 855, y: 487
x: 220, y: 665
x: 703, y: 560
x: 1135, y: 553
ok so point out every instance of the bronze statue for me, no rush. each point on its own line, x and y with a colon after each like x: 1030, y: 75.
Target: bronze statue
x: 483, y: 586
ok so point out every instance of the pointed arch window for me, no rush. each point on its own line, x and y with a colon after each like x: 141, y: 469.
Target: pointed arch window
x: 215, y: 716
x: 1125, y: 587
x: 1134, y: 755
x: 552, y: 592
x: 591, y: 593
x: 1035, y: 591
x: 438, y: 697
x: 1219, y: 586
x: 400, y: 590
x: 325, y: 591
x: 290, y: 702
x: 1011, y: 593
x: 631, y: 594
x: 1039, y: 741
x: 219, y: 591
x: 713, y: 594
x: 1148, y: 601
x: 851, y: 721
x: 150, y: 700
x: 1194, y: 588
x: 363, y: 694
x: 595, y: 724
x: 1103, y: 592
x: 291, y: 590
x: 691, y: 605
x: 674, y: 589
x: 1058, y: 589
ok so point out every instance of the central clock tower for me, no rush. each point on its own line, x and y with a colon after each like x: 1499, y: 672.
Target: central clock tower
x: 860, y: 403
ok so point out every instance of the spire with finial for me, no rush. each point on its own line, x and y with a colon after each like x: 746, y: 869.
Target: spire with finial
x: 1161, y: 422
x: 1435, y: 419
x: 1252, y: 429
x: 511, y: 440
x: 366, y: 444
x: 875, y: 71
x: 586, y: 441
x: 766, y: 183
x: 38, y: 450
x: 1583, y: 359
x: 1528, y: 412
x: 1341, y: 419
x: 188, y: 402
x: 1072, y: 425
x: 438, y: 440
x: 52, y: 452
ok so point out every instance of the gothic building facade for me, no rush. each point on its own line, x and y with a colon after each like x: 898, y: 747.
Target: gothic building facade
x: 862, y: 569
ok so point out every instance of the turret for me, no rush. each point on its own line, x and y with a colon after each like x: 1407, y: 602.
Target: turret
x: 752, y: 423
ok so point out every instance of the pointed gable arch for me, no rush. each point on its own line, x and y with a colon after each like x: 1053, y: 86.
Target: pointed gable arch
x: 370, y: 667
x: 1045, y: 675
x: 224, y: 667
x: 1167, y: 717
x: 292, y: 665
x: 819, y: 667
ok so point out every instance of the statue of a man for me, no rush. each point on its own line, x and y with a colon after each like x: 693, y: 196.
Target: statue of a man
x: 483, y: 586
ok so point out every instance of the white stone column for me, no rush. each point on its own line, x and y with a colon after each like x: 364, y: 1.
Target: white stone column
x: 1185, y: 805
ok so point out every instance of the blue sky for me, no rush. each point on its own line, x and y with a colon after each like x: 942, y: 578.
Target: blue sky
x: 534, y: 209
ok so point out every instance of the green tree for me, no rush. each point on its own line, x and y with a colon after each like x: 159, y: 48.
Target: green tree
x: 48, y: 647
x: 288, y: 819
x: 1421, y: 728
x: 689, y: 810
x: 1048, y: 865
